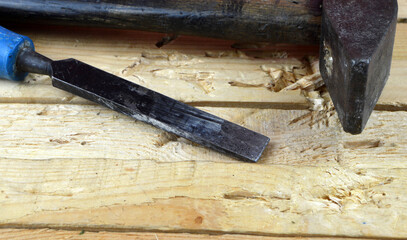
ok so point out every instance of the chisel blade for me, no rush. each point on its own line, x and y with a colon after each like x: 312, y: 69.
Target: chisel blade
x: 158, y: 110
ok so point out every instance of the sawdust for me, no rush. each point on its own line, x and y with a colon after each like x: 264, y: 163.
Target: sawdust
x: 226, y: 54
x: 165, y: 55
x: 308, y: 79
x: 165, y: 138
x: 204, y: 80
x: 240, y: 84
x: 321, y: 113
x: 305, y: 77
x: 308, y: 83
x: 60, y: 141
x: 154, y: 54
x: 131, y: 69
x: 286, y: 77
x: 316, y: 100
x: 205, y: 84
x: 281, y: 77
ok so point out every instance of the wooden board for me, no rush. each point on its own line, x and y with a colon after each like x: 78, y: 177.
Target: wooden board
x: 394, y: 93
x: 70, y: 165
x: 18, y: 234
x: 84, y: 167
x: 189, y: 70
x: 402, y: 9
x: 183, y: 70
x: 298, y: 137
x: 203, y: 196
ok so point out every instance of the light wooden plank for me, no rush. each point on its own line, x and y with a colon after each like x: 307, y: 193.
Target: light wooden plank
x: 394, y: 92
x: 183, y: 70
x: 28, y: 234
x: 402, y: 9
x: 298, y: 137
x: 191, y: 196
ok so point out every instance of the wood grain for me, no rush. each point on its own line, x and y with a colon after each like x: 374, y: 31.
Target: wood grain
x: 193, y: 70
x: 298, y: 137
x: 394, y: 96
x: 28, y: 234
x: 402, y: 9
x: 203, y: 196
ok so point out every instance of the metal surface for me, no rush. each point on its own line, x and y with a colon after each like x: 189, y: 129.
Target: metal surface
x: 30, y: 61
x: 356, y: 51
x: 158, y: 110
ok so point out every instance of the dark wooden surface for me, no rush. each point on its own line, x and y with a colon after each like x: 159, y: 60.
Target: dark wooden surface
x: 243, y: 20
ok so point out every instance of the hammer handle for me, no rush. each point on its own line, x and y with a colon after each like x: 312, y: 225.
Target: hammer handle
x: 242, y: 20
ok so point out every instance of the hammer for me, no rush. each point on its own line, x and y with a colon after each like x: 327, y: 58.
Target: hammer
x: 356, y: 37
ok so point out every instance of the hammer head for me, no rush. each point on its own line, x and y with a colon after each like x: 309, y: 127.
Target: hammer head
x: 355, y: 55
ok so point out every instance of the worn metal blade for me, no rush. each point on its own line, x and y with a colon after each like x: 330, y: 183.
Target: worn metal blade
x: 158, y: 110
x: 356, y: 51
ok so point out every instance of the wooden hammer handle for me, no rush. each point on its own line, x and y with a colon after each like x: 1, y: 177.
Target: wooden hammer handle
x: 242, y: 20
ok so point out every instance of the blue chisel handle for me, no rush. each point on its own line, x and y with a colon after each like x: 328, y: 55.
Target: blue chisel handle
x: 11, y: 45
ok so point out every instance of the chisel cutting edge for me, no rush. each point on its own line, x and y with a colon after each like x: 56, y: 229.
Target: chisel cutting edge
x: 18, y: 58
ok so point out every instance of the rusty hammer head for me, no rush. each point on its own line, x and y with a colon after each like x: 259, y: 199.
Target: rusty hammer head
x: 355, y: 55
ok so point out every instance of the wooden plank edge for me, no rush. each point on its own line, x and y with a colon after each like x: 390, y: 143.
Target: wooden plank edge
x: 402, y: 9
x: 48, y: 233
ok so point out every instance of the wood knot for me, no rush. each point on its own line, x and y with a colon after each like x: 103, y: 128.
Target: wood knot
x: 199, y: 220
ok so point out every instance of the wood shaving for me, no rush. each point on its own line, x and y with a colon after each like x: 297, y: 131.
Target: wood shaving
x: 154, y: 54
x: 130, y: 70
x: 226, y: 54
x: 316, y: 100
x: 305, y: 78
x: 280, y: 78
x: 308, y: 83
x: 314, y: 63
x: 240, y: 84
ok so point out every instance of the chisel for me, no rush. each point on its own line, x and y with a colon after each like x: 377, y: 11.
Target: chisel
x: 18, y: 58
